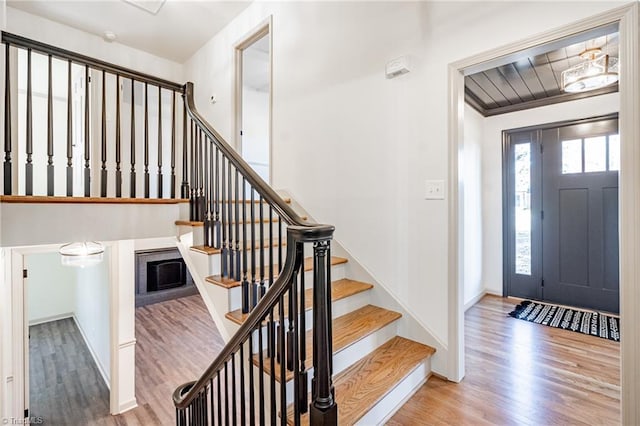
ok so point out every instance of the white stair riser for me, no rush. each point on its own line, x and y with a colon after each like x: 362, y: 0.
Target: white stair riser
x: 393, y: 400
x: 235, y: 293
x: 352, y: 354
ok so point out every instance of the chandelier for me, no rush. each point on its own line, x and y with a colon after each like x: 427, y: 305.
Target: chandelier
x: 81, y: 254
x: 595, y: 72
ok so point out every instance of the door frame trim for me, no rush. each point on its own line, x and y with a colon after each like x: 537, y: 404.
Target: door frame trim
x: 262, y: 29
x: 506, y: 149
x: 627, y: 17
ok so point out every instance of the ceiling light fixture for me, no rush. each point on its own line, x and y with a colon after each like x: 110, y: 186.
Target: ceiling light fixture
x: 595, y: 72
x: 81, y: 254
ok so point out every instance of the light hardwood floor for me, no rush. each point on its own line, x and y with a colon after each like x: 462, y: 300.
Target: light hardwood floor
x: 520, y: 373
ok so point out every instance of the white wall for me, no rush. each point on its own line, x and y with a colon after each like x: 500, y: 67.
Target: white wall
x: 54, y: 33
x: 492, y: 169
x: 51, y: 288
x: 92, y: 311
x: 255, y: 130
x: 355, y: 148
x: 471, y: 178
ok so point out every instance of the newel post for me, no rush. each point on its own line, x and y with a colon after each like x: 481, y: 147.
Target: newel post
x: 323, y: 409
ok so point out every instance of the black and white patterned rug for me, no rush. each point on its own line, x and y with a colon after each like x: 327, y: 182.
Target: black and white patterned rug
x: 586, y: 322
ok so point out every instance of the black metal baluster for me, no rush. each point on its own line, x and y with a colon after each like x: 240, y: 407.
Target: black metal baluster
x: 237, y: 275
x: 303, y: 390
x: 293, y: 324
x: 263, y: 288
x: 50, y: 169
x: 118, y: 136
x: 207, y: 191
x: 103, y: 171
x: 323, y: 409
x: 252, y: 247
x: 217, y: 227
x: 146, y: 140
x: 69, y: 133
x: 132, y: 184
x: 223, y: 194
x: 192, y: 176
x: 280, y: 355
x: 234, y: 416
x: 243, y: 418
x: 219, y: 399
x: 211, y: 403
x: 200, y: 199
x: 271, y: 350
x: 291, y: 335
x: 173, y: 144
x: 8, y: 177
x: 184, y: 188
x: 252, y: 403
x: 280, y: 238
x: 159, y: 142
x: 230, y: 202
x: 87, y: 134
x: 246, y: 288
x: 261, y: 375
x: 226, y: 394
x: 28, y: 188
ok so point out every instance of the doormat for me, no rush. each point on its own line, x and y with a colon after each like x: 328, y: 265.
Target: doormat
x: 587, y: 322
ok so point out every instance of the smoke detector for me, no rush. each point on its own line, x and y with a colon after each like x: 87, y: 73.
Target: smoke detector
x: 109, y: 36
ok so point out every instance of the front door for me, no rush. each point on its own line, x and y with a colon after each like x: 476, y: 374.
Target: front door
x: 563, y: 214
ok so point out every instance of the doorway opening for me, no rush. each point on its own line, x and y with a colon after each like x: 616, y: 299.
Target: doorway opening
x: 253, y: 60
x: 67, y: 351
x: 626, y: 19
x: 561, y: 217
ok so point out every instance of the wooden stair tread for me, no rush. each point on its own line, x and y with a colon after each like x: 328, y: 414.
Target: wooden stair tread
x: 365, y: 383
x: 212, y: 250
x: 347, y: 330
x: 196, y: 223
x: 205, y: 250
x: 230, y: 283
x: 339, y: 290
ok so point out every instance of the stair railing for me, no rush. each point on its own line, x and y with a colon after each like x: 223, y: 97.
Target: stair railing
x: 246, y: 220
x: 79, y: 127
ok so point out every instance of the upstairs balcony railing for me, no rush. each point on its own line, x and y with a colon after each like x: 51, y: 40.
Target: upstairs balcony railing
x: 77, y: 126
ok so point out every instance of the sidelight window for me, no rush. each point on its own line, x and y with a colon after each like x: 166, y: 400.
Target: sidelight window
x: 523, y: 208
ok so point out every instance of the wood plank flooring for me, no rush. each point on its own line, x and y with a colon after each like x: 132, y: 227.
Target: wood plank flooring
x: 176, y: 341
x: 517, y: 372
x: 65, y: 384
x: 522, y: 373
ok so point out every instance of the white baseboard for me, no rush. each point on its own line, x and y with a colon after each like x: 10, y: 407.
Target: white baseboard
x: 51, y: 318
x: 126, y: 406
x: 103, y: 373
x: 479, y: 297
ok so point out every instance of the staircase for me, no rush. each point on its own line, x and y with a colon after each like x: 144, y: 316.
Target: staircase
x: 375, y: 370
x: 307, y: 342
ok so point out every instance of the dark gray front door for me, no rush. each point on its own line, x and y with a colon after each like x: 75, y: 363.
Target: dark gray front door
x: 580, y: 215
x: 561, y: 223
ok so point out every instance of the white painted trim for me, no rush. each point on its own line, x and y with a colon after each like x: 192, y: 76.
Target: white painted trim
x: 101, y: 369
x: 262, y: 29
x: 51, y: 318
x: 475, y: 300
x: 126, y: 406
x: 127, y: 344
x: 629, y: 193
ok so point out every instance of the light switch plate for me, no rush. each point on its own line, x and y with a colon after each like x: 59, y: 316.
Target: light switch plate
x: 434, y: 190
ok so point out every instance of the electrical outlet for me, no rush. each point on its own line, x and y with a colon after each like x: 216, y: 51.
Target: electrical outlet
x: 434, y: 190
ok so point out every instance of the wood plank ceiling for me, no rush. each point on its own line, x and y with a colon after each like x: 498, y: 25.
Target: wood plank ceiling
x: 533, y: 80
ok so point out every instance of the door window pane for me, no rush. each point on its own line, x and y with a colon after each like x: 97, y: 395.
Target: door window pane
x: 595, y: 154
x: 614, y: 152
x: 572, y: 156
x: 523, y: 208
